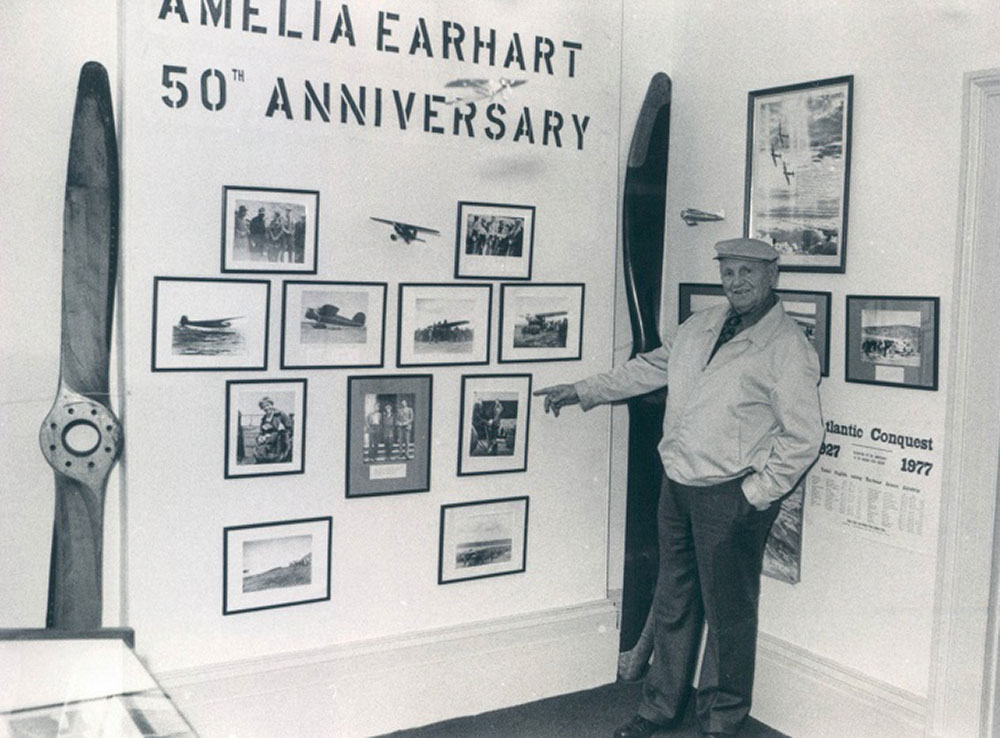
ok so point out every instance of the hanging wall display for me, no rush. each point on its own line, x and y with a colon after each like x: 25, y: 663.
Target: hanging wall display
x: 494, y: 240
x: 269, y: 230
x: 483, y: 539
x: 265, y: 427
x: 892, y: 341
x: 810, y: 310
x: 277, y: 564
x: 493, y: 427
x: 798, y: 171
x: 444, y: 324
x: 210, y: 324
x: 541, y: 322
x: 327, y: 325
x: 388, y: 434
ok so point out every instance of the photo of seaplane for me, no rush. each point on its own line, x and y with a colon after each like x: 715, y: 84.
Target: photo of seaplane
x: 215, y: 324
x: 328, y: 316
x: 207, y: 337
x: 406, y: 231
x: 482, y: 89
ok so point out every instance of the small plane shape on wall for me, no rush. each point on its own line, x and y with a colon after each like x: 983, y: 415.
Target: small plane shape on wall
x: 328, y: 316
x: 406, y: 231
x: 483, y: 89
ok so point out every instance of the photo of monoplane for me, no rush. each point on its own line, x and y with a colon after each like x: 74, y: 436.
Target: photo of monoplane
x: 406, y: 231
x: 541, y: 329
x: 482, y: 89
x: 214, y: 324
x: 444, y: 331
x: 207, y: 337
x: 328, y: 316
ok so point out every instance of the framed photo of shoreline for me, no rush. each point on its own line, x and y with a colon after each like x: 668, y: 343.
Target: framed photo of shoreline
x: 388, y: 434
x: 892, y: 341
x: 483, y: 539
x: 798, y: 164
x: 267, y: 565
x: 494, y: 241
x: 493, y: 426
x: 541, y: 322
x: 269, y: 230
x: 444, y: 324
x: 265, y: 427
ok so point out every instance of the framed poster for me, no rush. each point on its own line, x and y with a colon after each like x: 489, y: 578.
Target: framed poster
x: 811, y: 310
x: 277, y: 564
x: 493, y: 427
x: 444, y: 324
x: 541, y: 322
x: 483, y: 539
x: 332, y: 325
x: 388, y: 434
x: 798, y: 172
x: 783, y: 550
x: 210, y: 324
x: 892, y: 341
x: 265, y: 427
x: 494, y: 241
x: 269, y: 230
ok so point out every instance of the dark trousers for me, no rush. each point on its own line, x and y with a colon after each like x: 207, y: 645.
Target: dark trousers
x: 711, y: 552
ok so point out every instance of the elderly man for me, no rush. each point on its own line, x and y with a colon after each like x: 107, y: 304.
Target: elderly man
x: 742, y: 425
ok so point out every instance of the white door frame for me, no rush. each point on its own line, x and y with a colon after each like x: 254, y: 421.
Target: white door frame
x: 963, y: 679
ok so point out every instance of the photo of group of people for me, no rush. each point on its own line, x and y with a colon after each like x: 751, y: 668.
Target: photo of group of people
x: 388, y: 427
x: 269, y: 230
x: 494, y: 235
x: 494, y: 240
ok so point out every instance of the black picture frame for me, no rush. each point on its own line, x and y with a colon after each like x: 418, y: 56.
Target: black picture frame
x: 289, y: 239
x: 444, y: 324
x: 526, y: 332
x: 276, y: 564
x: 798, y: 166
x: 892, y: 341
x: 381, y: 463
x: 210, y: 324
x: 494, y: 423
x: 262, y: 446
x: 494, y: 240
x: 808, y: 308
x: 482, y: 539
x: 320, y: 326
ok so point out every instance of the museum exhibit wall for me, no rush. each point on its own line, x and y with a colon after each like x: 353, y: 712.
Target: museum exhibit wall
x: 857, y: 628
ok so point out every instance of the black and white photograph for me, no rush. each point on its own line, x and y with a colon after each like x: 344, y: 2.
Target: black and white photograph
x: 330, y: 325
x: 494, y: 241
x: 798, y: 172
x: 541, y: 322
x: 443, y: 324
x: 388, y: 434
x: 493, y: 428
x: 892, y: 341
x: 783, y: 550
x: 277, y: 564
x: 269, y: 230
x: 483, y: 539
x: 265, y: 427
x: 210, y: 324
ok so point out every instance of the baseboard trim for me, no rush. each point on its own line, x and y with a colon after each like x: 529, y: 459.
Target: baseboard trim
x: 377, y: 686
x: 808, y: 696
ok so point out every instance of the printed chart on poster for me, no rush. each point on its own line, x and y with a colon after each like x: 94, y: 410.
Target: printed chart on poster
x: 879, y: 482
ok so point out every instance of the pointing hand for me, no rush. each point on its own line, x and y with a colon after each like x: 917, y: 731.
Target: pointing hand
x: 558, y: 395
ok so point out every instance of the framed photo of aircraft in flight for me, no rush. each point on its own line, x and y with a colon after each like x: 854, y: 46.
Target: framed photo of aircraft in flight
x: 892, y: 341
x: 332, y: 325
x: 444, y: 324
x: 493, y: 426
x: 269, y: 230
x: 798, y: 164
x: 541, y: 322
x: 494, y: 241
x: 811, y: 310
x: 481, y: 539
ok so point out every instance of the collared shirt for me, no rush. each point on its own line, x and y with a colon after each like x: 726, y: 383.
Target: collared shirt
x: 752, y: 411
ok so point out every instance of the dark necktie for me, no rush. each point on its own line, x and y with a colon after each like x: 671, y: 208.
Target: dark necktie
x: 729, y: 329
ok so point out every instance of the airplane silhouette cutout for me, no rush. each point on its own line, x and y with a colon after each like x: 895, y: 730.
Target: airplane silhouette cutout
x: 483, y: 89
x: 406, y: 231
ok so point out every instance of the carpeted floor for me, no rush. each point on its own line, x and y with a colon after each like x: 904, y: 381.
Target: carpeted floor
x: 594, y: 713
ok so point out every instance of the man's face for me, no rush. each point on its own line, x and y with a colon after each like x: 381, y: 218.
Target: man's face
x: 747, y: 282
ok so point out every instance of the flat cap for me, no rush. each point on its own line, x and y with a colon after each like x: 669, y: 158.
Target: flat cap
x: 745, y: 248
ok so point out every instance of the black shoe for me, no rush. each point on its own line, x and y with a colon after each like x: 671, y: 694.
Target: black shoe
x: 638, y: 727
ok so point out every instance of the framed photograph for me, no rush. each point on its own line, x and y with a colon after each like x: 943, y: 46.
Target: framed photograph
x: 483, y: 539
x: 893, y: 341
x: 798, y: 171
x: 493, y: 427
x: 811, y: 310
x: 541, y: 322
x: 783, y: 550
x: 494, y: 241
x: 332, y: 325
x: 388, y: 434
x: 265, y: 427
x: 269, y: 230
x: 276, y: 564
x: 210, y: 324
x: 444, y: 324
